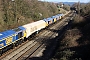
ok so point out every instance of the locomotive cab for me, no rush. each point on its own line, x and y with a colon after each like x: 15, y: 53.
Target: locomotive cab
x: 19, y: 35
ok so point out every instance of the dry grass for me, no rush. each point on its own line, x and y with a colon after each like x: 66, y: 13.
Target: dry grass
x: 70, y: 38
x: 75, y: 41
x: 62, y: 11
x: 78, y: 19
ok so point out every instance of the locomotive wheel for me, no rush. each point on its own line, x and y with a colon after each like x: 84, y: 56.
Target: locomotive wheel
x: 16, y: 44
x: 20, y: 42
x: 25, y: 39
x: 4, y: 50
x: 1, y: 53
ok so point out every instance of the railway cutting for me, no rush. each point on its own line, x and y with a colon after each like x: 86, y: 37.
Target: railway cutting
x: 42, y: 45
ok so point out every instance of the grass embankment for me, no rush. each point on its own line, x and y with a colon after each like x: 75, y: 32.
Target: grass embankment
x: 75, y: 43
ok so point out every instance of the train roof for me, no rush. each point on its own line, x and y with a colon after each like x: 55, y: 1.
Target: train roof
x: 33, y: 23
x: 19, y: 29
x: 5, y: 34
x: 56, y: 15
x: 48, y: 19
x: 53, y: 16
x: 22, y: 28
x: 60, y: 14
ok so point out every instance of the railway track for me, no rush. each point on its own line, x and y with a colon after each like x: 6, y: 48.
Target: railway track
x: 32, y: 47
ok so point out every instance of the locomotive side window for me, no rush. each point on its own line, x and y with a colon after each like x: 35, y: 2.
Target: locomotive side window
x: 53, y: 20
x: 48, y: 22
x: 16, y: 29
x: 20, y: 35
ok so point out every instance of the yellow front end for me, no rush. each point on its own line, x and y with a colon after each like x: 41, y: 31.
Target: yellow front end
x: 60, y: 17
x: 46, y: 24
x: 55, y: 20
x: 24, y: 34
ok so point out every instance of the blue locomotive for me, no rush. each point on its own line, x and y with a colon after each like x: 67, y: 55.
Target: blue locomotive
x: 14, y: 37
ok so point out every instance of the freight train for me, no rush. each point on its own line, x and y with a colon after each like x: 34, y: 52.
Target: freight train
x: 14, y: 37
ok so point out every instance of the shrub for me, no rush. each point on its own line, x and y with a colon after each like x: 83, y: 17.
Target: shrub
x: 26, y: 11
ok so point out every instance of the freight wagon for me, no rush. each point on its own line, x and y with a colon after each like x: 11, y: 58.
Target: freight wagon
x: 14, y: 37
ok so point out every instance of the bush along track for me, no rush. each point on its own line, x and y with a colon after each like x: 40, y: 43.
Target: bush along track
x: 75, y: 42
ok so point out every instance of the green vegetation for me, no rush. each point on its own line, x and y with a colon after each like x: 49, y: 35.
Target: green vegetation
x: 66, y: 7
x: 19, y: 12
x: 75, y: 42
x: 85, y: 9
x: 63, y: 55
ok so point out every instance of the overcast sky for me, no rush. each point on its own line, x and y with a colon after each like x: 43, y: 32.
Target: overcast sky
x: 84, y: 1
